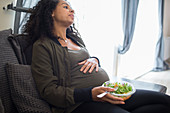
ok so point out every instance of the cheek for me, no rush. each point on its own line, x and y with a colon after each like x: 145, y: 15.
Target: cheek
x: 62, y: 14
x: 57, y: 16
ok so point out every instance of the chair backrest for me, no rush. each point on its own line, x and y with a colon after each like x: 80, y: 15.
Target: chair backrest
x: 22, y: 47
x: 7, y: 55
x: 33, y: 103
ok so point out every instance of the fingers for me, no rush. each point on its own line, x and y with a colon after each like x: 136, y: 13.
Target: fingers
x: 112, y: 99
x: 92, y: 68
x: 97, y: 68
x: 85, y: 67
x: 108, y: 97
x: 105, y: 99
x: 89, y: 64
x: 108, y: 89
x: 83, y: 62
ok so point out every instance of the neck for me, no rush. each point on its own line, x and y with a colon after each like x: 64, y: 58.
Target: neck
x: 60, y: 31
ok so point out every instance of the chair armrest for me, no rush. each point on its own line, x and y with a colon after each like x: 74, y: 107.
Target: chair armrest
x: 144, y: 85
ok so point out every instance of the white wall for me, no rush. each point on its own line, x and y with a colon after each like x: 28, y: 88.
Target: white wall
x: 167, y: 19
x: 167, y: 48
x: 167, y: 29
x: 6, y: 16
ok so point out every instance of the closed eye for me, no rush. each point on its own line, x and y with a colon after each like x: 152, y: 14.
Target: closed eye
x: 66, y: 7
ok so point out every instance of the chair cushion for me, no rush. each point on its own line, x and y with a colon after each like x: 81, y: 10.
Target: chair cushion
x: 1, y: 107
x: 22, y: 46
x: 23, y: 90
x: 7, y: 55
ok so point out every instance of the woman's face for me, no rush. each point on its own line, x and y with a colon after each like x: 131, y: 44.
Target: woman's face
x: 63, y: 14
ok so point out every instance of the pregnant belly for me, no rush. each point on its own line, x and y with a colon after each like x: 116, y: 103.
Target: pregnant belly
x: 85, y: 80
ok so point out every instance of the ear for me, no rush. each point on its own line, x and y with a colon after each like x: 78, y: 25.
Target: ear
x: 52, y: 14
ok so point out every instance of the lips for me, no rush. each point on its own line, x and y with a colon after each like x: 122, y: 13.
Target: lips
x: 72, y: 16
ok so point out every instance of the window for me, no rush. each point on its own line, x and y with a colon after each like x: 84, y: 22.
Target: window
x: 22, y: 17
x: 140, y: 57
x: 99, y: 23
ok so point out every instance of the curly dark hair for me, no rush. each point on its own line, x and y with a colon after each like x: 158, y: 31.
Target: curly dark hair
x: 40, y: 22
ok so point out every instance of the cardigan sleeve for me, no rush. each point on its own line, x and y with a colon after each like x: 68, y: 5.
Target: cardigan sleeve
x: 82, y: 95
x: 97, y: 60
x: 48, y: 84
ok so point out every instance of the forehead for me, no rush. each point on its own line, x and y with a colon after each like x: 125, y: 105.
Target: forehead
x: 63, y: 2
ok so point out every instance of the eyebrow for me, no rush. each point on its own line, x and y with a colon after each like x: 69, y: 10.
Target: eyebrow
x: 65, y: 4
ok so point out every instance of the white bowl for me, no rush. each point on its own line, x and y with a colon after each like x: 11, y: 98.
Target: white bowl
x: 124, y: 96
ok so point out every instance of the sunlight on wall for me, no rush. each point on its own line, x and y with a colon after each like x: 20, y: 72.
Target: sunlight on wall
x: 166, y: 25
x: 7, y: 16
x: 99, y: 23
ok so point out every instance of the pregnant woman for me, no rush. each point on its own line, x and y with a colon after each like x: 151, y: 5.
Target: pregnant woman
x: 67, y: 77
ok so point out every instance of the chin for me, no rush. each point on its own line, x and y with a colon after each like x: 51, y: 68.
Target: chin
x: 67, y: 23
x: 70, y: 23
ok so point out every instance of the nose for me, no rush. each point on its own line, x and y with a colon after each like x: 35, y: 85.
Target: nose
x: 71, y: 10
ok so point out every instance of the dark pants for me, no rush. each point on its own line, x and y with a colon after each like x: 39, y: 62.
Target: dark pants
x: 142, y: 101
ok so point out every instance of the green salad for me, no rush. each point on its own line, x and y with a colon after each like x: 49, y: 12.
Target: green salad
x: 121, y: 88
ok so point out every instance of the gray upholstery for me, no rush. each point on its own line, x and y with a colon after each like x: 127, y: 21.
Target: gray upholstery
x: 7, y: 55
x: 22, y: 47
x: 23, y: 90
x: 1, y: 107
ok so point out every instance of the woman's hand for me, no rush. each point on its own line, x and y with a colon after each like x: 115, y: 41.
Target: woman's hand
x: 89, y: 64
x: 108, y: 97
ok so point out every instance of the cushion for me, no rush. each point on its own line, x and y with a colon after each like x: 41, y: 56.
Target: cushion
x: 7, y: 55
x: 22, y: 46
x: 1, y: 107
x: 23, y: 90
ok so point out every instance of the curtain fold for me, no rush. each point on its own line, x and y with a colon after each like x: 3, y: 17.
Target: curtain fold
x: 17, y: 17
x: 22, y: 17
x: 160, y: 64
x: 129, y: 13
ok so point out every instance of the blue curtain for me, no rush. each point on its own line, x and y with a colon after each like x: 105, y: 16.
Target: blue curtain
x: 22, y: 17
x: 160, y: 64
x: 129, y: 12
